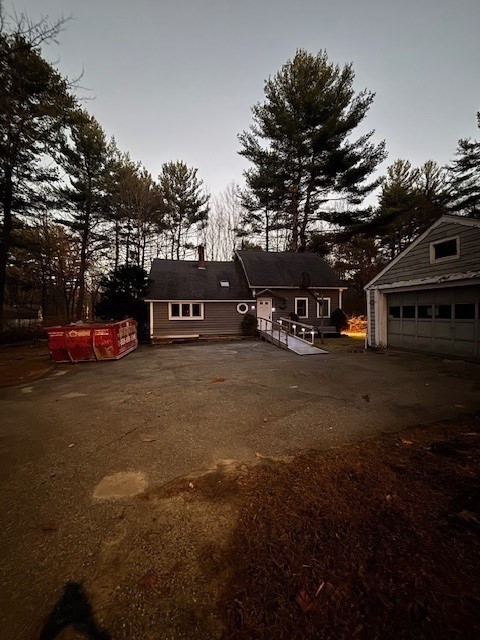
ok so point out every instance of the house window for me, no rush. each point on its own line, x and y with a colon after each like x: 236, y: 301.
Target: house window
x: 301, y: 307
x: 444, y: 250
x: 325, y: 309
x: 465, y: 311
x: 185, y: 310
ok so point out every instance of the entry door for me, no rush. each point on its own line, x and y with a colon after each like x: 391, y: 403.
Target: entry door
x: 264, y: 310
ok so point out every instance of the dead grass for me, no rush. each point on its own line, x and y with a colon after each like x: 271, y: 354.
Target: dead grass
x: 346, y: 342
x: 375, y: 541
x: 20, y: 364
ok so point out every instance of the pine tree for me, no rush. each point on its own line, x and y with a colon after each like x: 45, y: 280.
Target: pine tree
x: 465, y: 177
x: 85, y: 160
x: 185, y: 204
x: 303, y: 129
x: 34, y: 99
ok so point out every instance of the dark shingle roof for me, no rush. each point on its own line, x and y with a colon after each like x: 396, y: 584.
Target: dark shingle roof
x: 183, y: 280
x: 267, y: 269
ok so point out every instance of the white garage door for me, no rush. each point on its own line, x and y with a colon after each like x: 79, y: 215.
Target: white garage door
x: 443, y: 321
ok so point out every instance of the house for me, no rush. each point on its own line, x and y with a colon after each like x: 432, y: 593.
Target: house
x: 196, y: 299
x: 286, y: 282
x: 427, y: 299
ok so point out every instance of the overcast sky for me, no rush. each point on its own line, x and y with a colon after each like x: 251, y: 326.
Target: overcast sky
x: 175, y: 79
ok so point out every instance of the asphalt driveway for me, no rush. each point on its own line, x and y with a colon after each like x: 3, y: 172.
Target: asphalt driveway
x: 165, y: 412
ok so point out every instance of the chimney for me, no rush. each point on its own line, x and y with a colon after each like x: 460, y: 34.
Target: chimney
x: 201, y: 257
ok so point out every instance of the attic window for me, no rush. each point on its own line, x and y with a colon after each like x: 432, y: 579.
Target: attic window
x: 445, y: 250
x: 224, y: 283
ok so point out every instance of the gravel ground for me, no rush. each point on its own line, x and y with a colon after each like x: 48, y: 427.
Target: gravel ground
x: 89, y: 451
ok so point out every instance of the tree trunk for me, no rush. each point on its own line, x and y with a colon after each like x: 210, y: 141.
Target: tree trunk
x: 6, y: 239
x: 306, y: 218
x: 82, y: 269
x: 117, y: 243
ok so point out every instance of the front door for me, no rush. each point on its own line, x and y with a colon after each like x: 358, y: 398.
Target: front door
x: 264, y: 311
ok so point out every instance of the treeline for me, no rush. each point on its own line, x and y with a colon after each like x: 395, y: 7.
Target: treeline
x: 75, y: 207
x: 311, y: 175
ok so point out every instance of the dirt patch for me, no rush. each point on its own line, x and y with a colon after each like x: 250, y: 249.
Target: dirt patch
x: 21, y: 364
x: 378, y: 540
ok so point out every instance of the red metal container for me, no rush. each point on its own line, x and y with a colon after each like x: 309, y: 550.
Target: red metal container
x: 92, y: 342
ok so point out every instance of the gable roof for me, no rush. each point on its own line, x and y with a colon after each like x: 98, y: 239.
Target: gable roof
x: 183, y: 280
x: 469, y: 222
x: 284, y: 269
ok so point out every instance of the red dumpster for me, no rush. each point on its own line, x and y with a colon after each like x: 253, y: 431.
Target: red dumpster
x: 92, y: 342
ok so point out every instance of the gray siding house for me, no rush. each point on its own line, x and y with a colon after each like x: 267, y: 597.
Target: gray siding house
x: 197, y: 299
x: 427, y: 299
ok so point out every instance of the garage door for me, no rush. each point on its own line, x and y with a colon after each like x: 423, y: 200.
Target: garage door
x: 443, y: 321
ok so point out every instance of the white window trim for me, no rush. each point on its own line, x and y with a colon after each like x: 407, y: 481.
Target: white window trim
x: 200, y: 317
x: 328, y: 300
x: 306, y: 307
x: 434, y: 260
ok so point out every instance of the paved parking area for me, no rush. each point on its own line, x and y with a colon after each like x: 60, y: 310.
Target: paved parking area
x: 163, y: 412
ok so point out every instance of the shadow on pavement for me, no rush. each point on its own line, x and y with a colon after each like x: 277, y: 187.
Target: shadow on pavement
x: 73, y: 608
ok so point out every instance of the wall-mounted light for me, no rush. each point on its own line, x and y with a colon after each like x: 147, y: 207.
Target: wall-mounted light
x: 273, y: 308
x: 253, y: 306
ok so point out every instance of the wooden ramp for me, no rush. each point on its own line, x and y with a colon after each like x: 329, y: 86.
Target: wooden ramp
x: 281, y: 338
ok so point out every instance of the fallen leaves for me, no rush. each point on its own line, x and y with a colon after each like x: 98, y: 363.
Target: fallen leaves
x: 149, y: 580
x: 214, y: 380
x: 50, y: 526
x: 306, y: 603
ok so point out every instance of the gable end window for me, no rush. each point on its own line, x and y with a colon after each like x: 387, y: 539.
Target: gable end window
x: 301, y: 307
x: 445, y: 250
x: 185, y: 310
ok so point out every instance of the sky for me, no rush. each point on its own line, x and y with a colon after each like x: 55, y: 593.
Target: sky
x: 176, y: 79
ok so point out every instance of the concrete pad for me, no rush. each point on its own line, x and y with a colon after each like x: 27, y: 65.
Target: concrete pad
x: 120, y: 485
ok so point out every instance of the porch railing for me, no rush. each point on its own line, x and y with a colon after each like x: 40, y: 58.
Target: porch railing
x: 273, y: 331
x: 305, y: 332
x: 280, y: 331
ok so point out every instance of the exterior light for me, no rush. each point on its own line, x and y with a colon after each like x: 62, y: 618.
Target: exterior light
x: 273, y: 308
x: 253, y: 306
x: 294, y: 326
x: 279, y: 322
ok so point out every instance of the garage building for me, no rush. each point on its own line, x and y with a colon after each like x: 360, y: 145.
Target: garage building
x: 428, y: 298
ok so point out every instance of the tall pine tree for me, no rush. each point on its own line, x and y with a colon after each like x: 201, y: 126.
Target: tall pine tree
x: 465, y: 177
x: 34, y: 100
x: 85, y: 160
x: 185, y: 205
x: 305, y: 128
